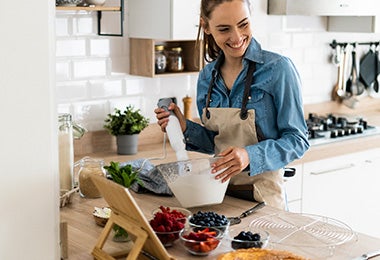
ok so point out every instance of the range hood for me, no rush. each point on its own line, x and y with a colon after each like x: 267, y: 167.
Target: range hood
x: 324, y: 7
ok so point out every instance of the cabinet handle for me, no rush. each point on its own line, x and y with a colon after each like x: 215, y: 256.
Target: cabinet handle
x: 348, y: 166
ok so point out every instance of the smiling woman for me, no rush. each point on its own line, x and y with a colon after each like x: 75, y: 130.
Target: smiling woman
x: 250, y: 104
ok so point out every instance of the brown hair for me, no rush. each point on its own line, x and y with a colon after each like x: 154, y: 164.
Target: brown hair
x: 211, y: 50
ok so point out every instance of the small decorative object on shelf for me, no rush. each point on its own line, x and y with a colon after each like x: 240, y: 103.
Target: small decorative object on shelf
x: 160, y: 59
x: 96, y: 2
x: 68, y: 2
x: 175, y: 60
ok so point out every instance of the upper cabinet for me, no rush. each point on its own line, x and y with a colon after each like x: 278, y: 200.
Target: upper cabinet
x: 171, y: 23
x: 343, y: 15
x: 324, y: 7
x: 163, y: 19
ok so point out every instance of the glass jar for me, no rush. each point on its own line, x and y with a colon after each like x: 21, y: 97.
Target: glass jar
x: 66, y: 152
x: 160, y: 59
x: 88, y: 167
x: 175, y: 60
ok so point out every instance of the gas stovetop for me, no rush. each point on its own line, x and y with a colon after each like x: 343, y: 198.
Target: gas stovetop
x: 324, y: 129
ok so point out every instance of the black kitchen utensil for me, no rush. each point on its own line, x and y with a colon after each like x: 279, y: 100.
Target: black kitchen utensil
x: 237, y: 220
x: 377, y: 67
x: 368, y: 67
x: 353, y: 85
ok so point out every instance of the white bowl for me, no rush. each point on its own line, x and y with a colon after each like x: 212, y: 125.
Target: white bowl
x: 192, y: 182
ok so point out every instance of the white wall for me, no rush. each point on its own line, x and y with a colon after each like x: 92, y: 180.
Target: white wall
x: 92, y: 71
x: 28, y: 141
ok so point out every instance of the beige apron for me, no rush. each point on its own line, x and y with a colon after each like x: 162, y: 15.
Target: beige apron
x: 234, y: 131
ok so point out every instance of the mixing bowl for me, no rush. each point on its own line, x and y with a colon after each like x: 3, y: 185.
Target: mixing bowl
x: 192, y: 182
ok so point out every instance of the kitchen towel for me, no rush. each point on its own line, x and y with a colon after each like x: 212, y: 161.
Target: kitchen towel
x: 150, y: 176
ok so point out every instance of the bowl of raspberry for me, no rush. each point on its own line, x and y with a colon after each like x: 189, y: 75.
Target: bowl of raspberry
x: 168, y: 222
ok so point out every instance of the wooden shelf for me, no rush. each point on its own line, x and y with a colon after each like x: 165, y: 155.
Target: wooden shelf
x: 142, y: 58
x: 88, y: 8
x: 99, y: 10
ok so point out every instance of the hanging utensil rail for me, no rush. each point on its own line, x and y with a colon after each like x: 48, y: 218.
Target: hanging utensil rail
x: 334, y: 43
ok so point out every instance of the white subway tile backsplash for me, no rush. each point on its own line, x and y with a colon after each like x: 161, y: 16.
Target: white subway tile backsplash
x: 279, y: 40
x: 62, y: 69
x: 84, y: 25
x: 134, y: 87
x: 84, y: 112
x: 62, y: 26
x: 70, y: 47
x: 72, y: 91
x: 302, y: 40
x: 89, y: 68
x: 106, y: 88
x: 99, y: 47
x: 123, y: 102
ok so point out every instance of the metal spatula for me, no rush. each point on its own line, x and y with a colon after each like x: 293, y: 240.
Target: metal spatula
x: 237, y: 220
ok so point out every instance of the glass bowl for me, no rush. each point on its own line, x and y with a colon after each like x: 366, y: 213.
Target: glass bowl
x: 200, y: 241
x: 208, y: 219
x: 167, y: 238
x: 246, y: 237
x: 175, y: 211
x: 191, y: 182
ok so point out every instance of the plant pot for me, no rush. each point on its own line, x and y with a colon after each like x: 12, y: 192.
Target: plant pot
x: 127, y: 144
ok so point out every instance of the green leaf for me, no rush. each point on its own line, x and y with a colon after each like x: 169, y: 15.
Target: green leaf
x: 125, y: 175
x: 128, y: 122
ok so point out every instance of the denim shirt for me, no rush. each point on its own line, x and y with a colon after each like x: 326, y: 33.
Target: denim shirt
x: 277, y: 101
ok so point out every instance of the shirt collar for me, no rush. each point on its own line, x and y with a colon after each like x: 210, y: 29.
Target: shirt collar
x: 253, y: 53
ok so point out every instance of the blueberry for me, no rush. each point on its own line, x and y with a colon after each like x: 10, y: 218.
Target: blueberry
x: 256, y: 237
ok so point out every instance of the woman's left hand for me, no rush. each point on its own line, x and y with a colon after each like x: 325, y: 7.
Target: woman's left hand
x: 234, y: 160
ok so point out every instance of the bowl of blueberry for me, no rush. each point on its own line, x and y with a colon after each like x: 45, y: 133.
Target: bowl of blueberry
x: 247, y: 237
x: 209, y: 219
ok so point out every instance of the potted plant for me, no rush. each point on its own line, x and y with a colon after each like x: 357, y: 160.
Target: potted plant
x: 126, y: 125
x: 125, y: 176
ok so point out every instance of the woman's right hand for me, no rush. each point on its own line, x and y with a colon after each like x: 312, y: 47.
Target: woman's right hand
x: 163, y: 116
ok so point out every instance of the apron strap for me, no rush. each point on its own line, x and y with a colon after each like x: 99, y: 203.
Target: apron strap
x: 247, y: 88
x: 211, y: 85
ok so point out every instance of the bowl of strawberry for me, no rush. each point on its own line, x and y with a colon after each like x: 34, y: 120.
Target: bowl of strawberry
x: 168, y: 222
x: 200, y: 241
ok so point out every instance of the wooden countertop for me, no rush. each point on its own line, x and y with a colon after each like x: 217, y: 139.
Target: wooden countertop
x: 83, y: 232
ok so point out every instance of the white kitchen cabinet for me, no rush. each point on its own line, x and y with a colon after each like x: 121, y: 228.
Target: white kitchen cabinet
x: 345, y: 188
x: 293, y: 187
x: 163, y: 19
x: 172, y: 23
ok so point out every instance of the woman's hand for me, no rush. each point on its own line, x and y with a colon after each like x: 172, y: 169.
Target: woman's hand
x: 234, y: 160
x: 163, y: 116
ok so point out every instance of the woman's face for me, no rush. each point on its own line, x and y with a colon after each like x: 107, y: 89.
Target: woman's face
x: 230, y: 26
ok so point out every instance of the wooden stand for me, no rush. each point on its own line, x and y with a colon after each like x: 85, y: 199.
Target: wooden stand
x: 127, y: 214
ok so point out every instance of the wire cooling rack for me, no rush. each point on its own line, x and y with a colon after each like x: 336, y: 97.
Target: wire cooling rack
x: 304, y: 230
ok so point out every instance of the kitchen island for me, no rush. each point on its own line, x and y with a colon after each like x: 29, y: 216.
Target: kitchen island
x: 83, y: 232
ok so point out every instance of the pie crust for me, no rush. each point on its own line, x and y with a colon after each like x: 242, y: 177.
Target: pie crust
x: 259, y: 254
